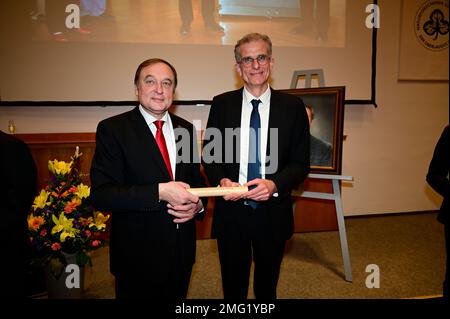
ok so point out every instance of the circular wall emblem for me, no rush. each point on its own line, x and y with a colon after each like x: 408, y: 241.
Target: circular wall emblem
x: 431, y: 24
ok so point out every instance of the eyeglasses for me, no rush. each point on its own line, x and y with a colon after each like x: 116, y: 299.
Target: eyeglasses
x: 262, y: 60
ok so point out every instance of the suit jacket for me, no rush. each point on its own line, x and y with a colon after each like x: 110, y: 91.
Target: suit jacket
x: 126, y: 169
x: 438, y: 173
x: 321, y: 152
x: 18, y: 177
x: 288, y: 115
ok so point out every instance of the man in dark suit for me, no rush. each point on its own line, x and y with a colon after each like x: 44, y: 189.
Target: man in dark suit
x: 314, y: 19
x: 138, y: 174
x: 257, y: 223
x: 17, y: 190
x: 321, y: 152
x: 438, y: 178
x: 208, y: 14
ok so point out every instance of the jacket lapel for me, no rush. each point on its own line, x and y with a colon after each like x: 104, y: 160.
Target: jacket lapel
x: 234, y: 121
x: 150, y: 147
x: 235, y: 108
x: 274, y: 118
x: 175, y: 125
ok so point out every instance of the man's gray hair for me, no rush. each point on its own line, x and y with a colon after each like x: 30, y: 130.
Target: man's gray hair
x: 250, y: 38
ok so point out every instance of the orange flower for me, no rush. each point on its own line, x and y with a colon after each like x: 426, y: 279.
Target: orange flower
x: 34, y: 222
x: 55, y: 194
x: 70, y: 207
x: 56, y: 246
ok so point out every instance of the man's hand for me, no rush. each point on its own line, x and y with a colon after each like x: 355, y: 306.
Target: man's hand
x: 264, y: 189
x: 186, y: 212
x: 225, y: 182
x: 175, y: 193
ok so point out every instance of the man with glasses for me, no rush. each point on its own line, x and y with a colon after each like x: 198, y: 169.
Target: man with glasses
x: 272, y: 127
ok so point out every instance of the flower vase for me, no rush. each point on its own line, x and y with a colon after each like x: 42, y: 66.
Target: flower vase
x: 70, y: 284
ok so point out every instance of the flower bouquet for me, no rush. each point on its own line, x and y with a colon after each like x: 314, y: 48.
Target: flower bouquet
x: 62, y: 220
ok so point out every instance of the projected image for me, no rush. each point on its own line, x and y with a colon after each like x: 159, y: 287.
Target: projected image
x: 301, y: 23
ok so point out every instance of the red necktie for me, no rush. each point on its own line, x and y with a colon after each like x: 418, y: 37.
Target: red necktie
x: 162, y: 146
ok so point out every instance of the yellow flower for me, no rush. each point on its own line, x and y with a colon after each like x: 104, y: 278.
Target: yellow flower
x: 64, y: 225
x: 99, y: 220
x: 83, y: 191
x: 59, y: 167
x: 34, y: 222
x: 40, y: 201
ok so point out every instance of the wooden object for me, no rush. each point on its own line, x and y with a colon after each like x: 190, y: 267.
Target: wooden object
x: 217, y: 191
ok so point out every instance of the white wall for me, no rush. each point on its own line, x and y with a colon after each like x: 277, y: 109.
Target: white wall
x: 387, y: 149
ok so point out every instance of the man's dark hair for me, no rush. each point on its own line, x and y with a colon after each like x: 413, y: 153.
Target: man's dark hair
x: 149, y: 62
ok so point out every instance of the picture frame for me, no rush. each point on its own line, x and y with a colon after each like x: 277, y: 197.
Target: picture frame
x: 326, y: 127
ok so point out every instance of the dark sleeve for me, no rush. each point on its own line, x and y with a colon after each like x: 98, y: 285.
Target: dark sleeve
x: 19, y: 177
x: 320, y: 152
x: 112, y: 189
x: 215, y: 171
x: 296, y: 170
x: 438, y: 170
x: 197, y: 178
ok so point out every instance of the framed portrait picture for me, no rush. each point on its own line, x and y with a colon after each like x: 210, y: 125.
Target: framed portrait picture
x: 325, y: 108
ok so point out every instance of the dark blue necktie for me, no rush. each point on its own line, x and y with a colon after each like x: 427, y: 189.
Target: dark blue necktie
x: 254, y: 160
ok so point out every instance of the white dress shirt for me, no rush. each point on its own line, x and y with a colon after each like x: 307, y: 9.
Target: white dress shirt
x: 168, y: 133
x: 264, y: 109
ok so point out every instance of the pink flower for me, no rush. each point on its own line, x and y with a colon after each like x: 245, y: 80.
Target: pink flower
x: 96, y: 243
x: 73, y: 189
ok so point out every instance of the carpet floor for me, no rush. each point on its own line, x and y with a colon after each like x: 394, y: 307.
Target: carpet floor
x: 407, y: 249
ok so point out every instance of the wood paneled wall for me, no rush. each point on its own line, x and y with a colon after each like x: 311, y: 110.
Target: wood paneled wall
x: 45, y: 147
x: 310, y: 214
